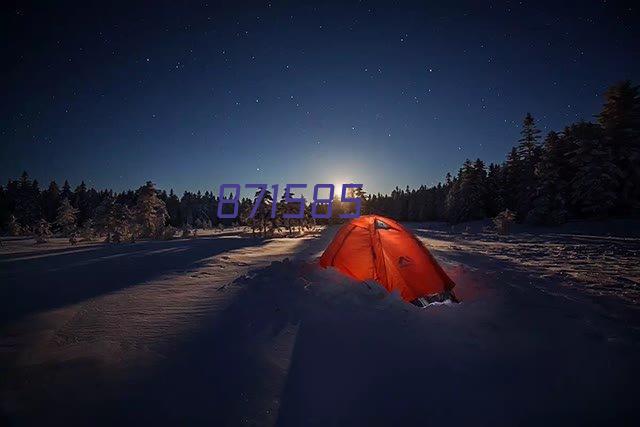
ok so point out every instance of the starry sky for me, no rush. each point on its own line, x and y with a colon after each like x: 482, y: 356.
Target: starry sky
x: 194, y: 94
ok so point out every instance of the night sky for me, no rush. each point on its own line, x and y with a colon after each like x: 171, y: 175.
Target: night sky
x: 194, y: 94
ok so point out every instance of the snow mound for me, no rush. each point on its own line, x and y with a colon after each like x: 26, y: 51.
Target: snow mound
x: 300, y: 284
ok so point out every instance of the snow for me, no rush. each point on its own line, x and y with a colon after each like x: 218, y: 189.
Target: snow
x: 230, y: 330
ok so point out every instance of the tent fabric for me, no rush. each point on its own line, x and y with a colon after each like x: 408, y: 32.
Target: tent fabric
x: 379, y: 248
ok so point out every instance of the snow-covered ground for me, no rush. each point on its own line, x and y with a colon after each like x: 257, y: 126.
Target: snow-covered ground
x: 228, y: 330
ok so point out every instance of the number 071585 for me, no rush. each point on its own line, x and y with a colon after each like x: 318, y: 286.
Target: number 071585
x: 263, y: 202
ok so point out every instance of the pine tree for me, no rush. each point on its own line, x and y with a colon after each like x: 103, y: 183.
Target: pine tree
x: 13, y: 226
x: 102, y: 215
x: 550, y: 205
x: 287, y: 208
x: 173, y: 209
x: 494, y: 196
x: 120, y: 223
x: 511, y: 177
x: 82, y: 202
x: 528, y: 142
x: 114, y: 219
x: 66, y: 191
x: 528, y: 152
x: 50, y: 201
x: 620, y: 121
x: 42, y: 231
x: 593, y: 187
x: 465, y: 200
x: 262, y: 218
x: 151, y: 212
x: 27, y: 207
x: 87, y: 232
x: 66, y: 217
x: 504, y: 220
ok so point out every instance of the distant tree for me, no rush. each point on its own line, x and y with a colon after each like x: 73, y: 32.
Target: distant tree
x: 83, y: 201
x: 285, y: 208
x: 173, y: 209
x: 512, y: 179
x: 27, y: 208
x: 528, y: 152
x: 528, y: 142
x: 504, y: 220
x: 359, y: 193
x: 42, y: 231
x: 151, y: 212
x: 494, y: 195
x: 66, y: 191
x: 120, y: 223
x: 465, y: 200
x: 87, y: 232
x: 186, y: 231
x: 550, y: 205
x: 620, y: 122
x: 103, y: 214
x: 66, y: 217
x: 593, y: 187
x: 262, y: 218
x: 169, y: 232
x: 114, y: 219
x: 50, y: 202
x: 308, y: 222
x: 13, y: 226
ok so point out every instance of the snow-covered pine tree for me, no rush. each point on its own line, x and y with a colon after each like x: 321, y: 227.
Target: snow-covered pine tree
x: 120, y: 222
x: 262, y: 217
x: 620, y: 121
x: 103, y: 212
x: 594, y: 184
x: 13, y: 226
x: 504, y: 220
x: 186, y: 231
x: 287, y: 208
x: 66, y: 217
x: 42, y: 231
x: 308, y: 222
x: 151, y: 212
x: 87, y: 232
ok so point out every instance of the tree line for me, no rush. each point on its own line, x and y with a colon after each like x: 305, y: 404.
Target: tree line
x: 587, y: 170
x: 85, y: 213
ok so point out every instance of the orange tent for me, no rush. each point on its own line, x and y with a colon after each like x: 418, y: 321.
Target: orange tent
x: 379, y: 248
